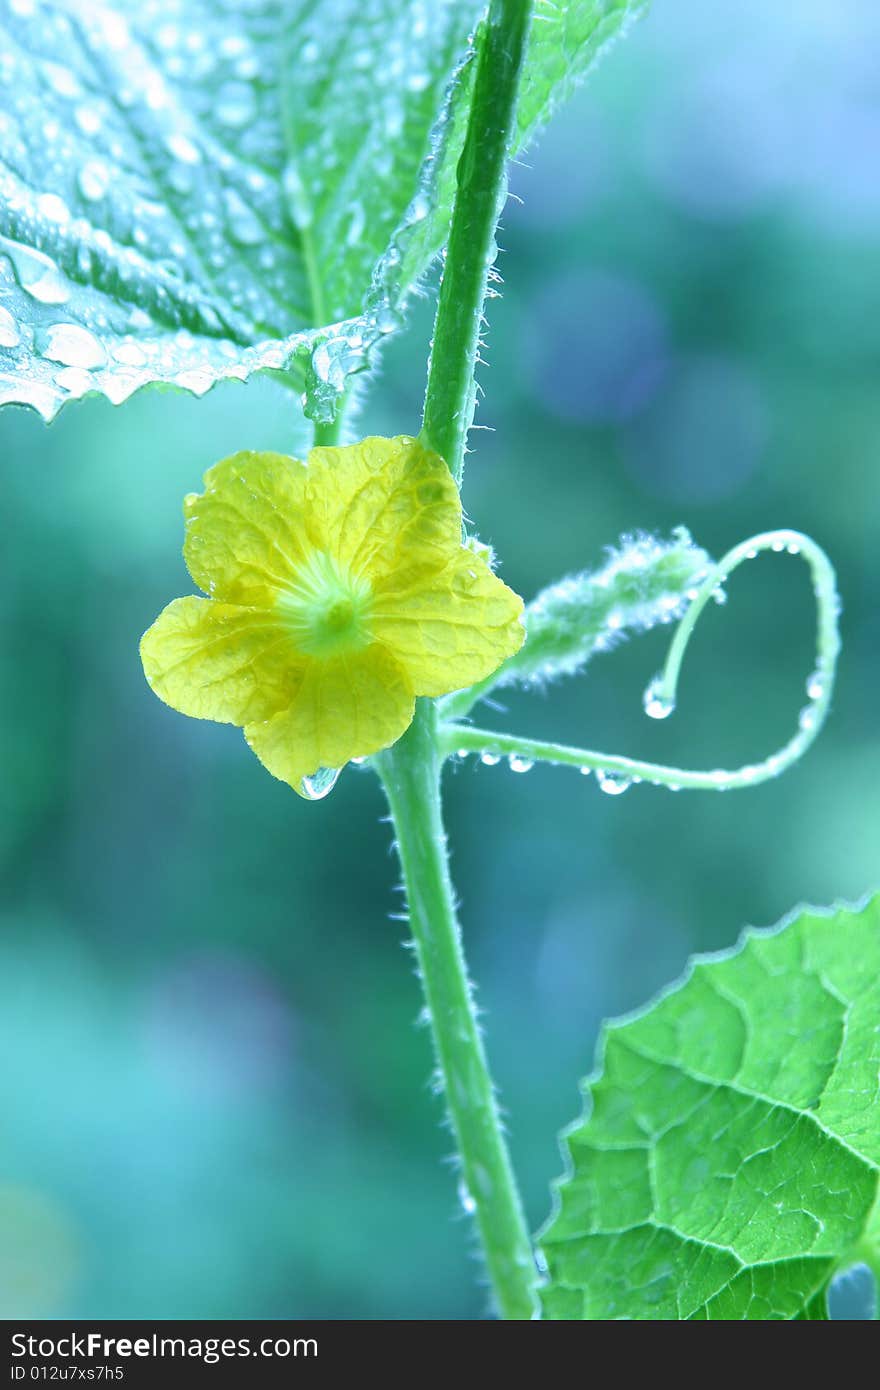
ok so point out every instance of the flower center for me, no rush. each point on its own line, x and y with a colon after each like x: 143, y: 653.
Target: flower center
x: 326, y: 609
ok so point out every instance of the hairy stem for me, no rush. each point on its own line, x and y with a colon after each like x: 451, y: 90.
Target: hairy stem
x: 410, y: 773
x: 482, y: 188
x: 410, y: 770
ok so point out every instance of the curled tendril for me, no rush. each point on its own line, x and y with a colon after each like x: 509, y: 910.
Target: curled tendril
x: 661, y: 694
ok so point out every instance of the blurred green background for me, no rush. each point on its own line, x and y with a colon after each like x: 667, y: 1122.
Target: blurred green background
x: 215, y: 1101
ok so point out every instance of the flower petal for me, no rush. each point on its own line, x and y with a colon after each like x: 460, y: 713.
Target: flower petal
x: 453, y: 631
x: 216, y: 661
x: 347, y: 707
x: 386, y: 508
x: 245, y: 534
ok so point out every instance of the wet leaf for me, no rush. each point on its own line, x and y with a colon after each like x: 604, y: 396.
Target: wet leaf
x: 728, y: 1163
x: 196, y: 192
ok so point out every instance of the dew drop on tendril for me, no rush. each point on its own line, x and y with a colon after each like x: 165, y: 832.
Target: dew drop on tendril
x: 657, y: 704
x: 613, y: 783
x: 490, y: 759
x: 517, y: 764
x: 816, y: 685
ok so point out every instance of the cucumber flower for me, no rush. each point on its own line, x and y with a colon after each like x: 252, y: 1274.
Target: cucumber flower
x: 339, y: 590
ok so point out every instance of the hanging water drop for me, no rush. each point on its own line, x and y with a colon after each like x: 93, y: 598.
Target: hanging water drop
x: 518, y: 764
x: 657, y: 704
x: 490, y: 759
x: 320, y: 783
x: 613, y: 783
x: 719, y: 594
x: 585, y: 771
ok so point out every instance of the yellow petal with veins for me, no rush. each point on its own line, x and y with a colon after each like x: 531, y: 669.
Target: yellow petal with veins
x: 453, y: 631
x: 347, y: 707
x: 387, y: 509
x: 245, y: 534
x: 217, y: 661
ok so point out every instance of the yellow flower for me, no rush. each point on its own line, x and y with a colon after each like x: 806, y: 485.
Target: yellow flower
x: 339, y: 591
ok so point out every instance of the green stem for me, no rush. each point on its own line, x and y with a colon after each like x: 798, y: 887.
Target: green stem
x: 410, y: 772
x: 480, y: 195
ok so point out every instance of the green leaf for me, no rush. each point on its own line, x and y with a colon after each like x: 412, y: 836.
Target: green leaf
x: 198, y: 192
x: 568, y: 37
x: 728, y: 1162
x: 189, y: 193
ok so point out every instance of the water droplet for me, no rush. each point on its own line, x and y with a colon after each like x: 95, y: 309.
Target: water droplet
x: 244, y: 225
x: 466, y: 1200
x: 75, y: 380
x: 585, y: 771
x: 356, y: 225
x: 61, y: 80
x: 807, y: 717
x: 53, y: 208
x: 320, y: 784
x: 751, y: 554
x: 236, y: 105
x: 73, y: 346
x: 10, y: 336
x: 778, y: 546
x: 88, y: 118
x: 37, y: 273
x: 129, y: 353
x: 518, y: 764
x: 793, y: 548
x: 357, y: 762
x: 182, y: 148
x: 816, y: 685
x: 657, y: 704
x: 298, y: 201
x: 93, y: 180
x: 490, y: 759
x: 719, y: 594
x: 613, y: 783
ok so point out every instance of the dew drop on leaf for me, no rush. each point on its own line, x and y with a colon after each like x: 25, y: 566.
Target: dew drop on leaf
x: 37, y: 273
x: 73, y: 346
x: 10, y: 335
